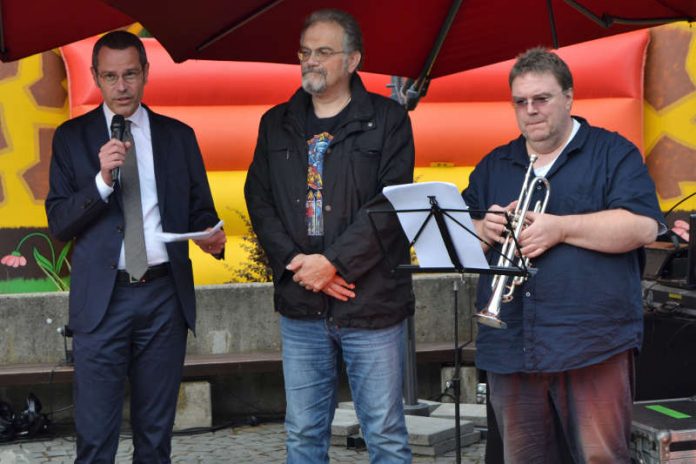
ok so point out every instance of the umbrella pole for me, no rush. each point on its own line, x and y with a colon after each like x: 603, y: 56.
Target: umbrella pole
x: 419, y: 87
x: 607, y: 20
x: 552, y: 23
x: 411, y: 405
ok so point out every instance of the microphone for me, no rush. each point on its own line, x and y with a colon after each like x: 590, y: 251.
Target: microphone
x: 118, y: 127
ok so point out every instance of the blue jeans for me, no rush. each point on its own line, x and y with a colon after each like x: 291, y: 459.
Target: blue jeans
x: 591, y: 405
x: 374, y: 362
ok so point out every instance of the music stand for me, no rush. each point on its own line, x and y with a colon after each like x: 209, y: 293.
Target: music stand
x: 438, y: 214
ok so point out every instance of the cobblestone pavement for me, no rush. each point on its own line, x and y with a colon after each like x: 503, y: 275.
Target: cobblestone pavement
x: 258, y: 444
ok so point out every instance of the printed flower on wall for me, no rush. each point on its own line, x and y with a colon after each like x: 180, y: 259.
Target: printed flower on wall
x: 50, y: 267
x: 14, y: 259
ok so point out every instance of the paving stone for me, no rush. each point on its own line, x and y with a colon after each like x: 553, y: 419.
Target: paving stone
x: 449, y: 444
x: 475, y: 413
x: 345, y: 423
x: 426, y: 431
x: 264, y: 444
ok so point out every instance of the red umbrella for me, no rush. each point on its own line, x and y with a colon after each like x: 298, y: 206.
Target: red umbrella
x: 399, y: 34
x: 32, y: 26
x: 414, y: 38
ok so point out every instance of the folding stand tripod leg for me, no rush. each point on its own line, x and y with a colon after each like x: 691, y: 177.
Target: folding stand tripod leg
x: 456, y: 382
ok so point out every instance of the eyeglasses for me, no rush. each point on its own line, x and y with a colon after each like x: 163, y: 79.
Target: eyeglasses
x: 320, y: 54
x: 129, y: 76
x: 537, y: 102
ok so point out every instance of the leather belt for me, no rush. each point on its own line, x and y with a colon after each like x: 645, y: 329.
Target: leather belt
x: 152, y: 273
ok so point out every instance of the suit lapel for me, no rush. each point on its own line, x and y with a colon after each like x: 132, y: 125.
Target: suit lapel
x: 160, y: 148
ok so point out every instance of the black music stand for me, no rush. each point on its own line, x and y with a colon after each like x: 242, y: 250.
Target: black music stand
x: 435, y: 212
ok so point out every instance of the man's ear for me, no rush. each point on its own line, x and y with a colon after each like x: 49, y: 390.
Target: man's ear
x: 146, y: 71
x: 569, y: 99
x: 353, y: 61
x: 94, y: 76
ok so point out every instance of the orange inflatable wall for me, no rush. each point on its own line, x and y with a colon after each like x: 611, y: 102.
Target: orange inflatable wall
x: 462, y: 118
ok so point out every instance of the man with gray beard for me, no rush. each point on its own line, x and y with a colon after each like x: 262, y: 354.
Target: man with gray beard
x: 321, y: 161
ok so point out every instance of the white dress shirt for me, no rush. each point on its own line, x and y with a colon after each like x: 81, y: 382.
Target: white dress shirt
x: 152, y: 222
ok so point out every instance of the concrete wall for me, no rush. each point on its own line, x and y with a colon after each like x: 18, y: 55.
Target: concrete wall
x: 231, y: 318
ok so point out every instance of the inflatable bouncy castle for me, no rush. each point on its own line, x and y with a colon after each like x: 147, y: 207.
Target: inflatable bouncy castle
x: 626, y: 83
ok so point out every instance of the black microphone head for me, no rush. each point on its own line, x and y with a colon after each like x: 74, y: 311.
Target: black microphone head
x: 118, y: 126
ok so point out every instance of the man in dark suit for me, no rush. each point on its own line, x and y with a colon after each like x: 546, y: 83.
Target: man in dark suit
x: 132, y: 297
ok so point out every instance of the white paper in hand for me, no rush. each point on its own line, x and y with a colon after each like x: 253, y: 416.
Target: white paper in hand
x: 171, y: 237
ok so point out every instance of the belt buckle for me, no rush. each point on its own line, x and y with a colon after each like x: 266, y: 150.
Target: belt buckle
x: 132, y: 280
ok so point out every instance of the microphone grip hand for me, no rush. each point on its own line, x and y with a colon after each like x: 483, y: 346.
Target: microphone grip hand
x: 118, y: 126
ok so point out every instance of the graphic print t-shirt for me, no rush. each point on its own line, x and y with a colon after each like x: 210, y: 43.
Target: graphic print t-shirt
x: 319, y: 133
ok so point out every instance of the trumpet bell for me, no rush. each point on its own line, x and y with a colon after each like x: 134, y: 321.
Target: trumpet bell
x: 490, y: 319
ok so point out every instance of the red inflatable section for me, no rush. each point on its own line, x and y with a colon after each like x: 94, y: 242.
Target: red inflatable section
x: 465, y: 115
x: 462, y: 118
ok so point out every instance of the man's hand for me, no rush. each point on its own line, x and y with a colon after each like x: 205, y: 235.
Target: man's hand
x: 213, y: 244
x: 493, y: 226
x: 307, y: 266
x: 608, y: 231
x: 541, y: 233
x: 313, y: 272
x: 340, y: 289
x: 681, y: 228
x: 111, y: 155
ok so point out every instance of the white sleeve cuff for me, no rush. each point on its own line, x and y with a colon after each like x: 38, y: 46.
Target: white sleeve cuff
x: 104, y: 190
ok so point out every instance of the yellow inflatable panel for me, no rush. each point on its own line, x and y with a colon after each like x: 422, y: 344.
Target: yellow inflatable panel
x: 227, y: 188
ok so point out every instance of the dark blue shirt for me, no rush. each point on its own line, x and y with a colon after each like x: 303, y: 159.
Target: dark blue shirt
x: 582, y: 306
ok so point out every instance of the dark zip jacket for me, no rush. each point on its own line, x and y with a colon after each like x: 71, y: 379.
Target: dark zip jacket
x: 371, y: 148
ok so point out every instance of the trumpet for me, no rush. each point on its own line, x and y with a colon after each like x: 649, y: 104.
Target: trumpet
x: 502, y: 289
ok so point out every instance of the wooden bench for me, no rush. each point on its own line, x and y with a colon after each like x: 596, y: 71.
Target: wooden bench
x: 213, y: 364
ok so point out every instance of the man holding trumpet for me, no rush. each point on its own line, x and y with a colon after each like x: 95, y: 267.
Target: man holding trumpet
x: 562, y: 368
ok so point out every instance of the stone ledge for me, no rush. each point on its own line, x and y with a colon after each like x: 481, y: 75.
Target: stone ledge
x: 232, y: 319
x: 199, y: 366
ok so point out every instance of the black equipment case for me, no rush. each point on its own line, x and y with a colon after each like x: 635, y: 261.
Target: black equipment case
x: 664, y: 432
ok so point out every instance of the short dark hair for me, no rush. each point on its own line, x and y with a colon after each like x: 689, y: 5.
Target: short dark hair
x: 352, y: 35
x: 119, y: 40
x: 541, y: 60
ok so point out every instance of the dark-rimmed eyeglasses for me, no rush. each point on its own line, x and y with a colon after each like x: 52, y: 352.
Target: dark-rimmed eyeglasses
x: 320, y: 54
x: 130, y: 76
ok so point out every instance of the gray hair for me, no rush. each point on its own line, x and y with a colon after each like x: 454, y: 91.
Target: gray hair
x: 352, y: 35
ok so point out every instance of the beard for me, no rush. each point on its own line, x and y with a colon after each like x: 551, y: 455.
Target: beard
x: 314, y: 80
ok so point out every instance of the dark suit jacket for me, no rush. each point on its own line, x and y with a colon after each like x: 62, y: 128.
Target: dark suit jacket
x: 76, y: 211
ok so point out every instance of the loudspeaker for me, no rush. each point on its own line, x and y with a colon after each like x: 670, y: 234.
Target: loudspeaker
x: 666, y: 365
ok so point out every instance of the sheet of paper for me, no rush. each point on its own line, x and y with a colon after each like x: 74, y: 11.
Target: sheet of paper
x: 430, y: 248
x: 171, y: 237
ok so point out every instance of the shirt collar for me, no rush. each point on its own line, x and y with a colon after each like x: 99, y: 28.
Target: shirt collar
x: 519, y: 153
x: 137, y: 118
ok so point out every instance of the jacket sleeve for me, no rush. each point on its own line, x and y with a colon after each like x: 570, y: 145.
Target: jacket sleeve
x: 70, y: 207
x: 202, y: 212
x: 261, y: 205
x: 359, y: 247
